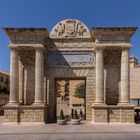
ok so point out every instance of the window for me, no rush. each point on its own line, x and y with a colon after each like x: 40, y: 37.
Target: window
x: 1, y: 79
x: 136, y: 102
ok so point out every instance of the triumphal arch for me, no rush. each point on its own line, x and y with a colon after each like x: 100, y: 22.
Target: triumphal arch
x: 70, y: 67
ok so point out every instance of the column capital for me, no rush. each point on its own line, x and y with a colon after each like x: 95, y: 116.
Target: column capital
x: 99, y: 50
x: 39, y: 47
x: 99, y: 47
x: 125, y: 50
x: 126, y: 47
x: 13, y: 46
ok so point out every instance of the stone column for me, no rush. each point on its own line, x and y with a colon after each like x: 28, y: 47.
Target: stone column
x: 39, y: 77
x: 25, y: 86
x: 48, y: 91
x: 99, y: 95
x: 14, y: 77
x: 125, y: 87
x: 21, y: 83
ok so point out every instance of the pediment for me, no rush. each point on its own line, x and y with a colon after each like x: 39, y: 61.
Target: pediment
x: 70, y: 28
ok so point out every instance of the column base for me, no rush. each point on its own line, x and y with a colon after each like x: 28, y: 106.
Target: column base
x: 12, y: 104
x: 125, y: 104
x: 38, y: 104
x: 99, y: 104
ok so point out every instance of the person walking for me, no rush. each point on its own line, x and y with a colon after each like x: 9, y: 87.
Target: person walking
x: 81, y: 113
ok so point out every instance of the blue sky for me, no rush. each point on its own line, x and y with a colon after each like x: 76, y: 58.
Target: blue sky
x: 46, y: 13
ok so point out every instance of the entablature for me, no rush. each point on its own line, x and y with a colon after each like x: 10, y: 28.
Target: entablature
x: 113, y: 34
x: 26, y: 47
x: 112, y: 46
x: 27, y: 35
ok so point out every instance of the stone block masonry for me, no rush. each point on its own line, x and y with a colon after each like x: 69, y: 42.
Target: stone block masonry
x: 71, y: 50
x: 11, y: 115
x: 25, y: 114
x: 113, y: 114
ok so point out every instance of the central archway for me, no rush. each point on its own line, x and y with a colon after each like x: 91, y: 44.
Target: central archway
x: 70, y: 95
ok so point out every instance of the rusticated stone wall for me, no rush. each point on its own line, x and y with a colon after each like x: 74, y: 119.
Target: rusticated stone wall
x: 25, y: 114
x: 113, y: 114
x: 99, y: 115
x: 135, y: 82
x: 33, y: 114
x: 11, y: 115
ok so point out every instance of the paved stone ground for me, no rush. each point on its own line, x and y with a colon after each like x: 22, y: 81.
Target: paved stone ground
x: 71, y: 132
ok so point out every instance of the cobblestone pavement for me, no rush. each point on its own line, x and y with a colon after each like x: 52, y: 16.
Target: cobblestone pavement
x: 71, y: 132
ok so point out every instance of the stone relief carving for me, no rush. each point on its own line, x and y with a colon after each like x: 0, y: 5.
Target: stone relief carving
x: 112, y: 57
x: 70, y: 28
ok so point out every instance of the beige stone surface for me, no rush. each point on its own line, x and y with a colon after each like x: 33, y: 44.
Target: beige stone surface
x: 135, y: 82
x: 39, y: 76
x: 14, y: 76
x: 125, y: 85
x: 99, y: 96
x: 24, y: 114
x: 21, y: 83
x: 94, y: 52
x: 113, y: 114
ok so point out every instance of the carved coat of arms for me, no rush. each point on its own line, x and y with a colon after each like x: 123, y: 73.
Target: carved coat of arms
x: 70, y: 28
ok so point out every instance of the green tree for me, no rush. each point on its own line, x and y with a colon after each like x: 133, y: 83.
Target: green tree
x: 3, y: 87
x: 80, y: 91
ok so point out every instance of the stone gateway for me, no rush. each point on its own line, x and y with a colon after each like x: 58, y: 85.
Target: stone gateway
x: 70, y: 68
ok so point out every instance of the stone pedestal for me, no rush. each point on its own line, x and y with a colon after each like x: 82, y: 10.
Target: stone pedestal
x: 25, y: 115
x: 113, y: 114
x: 11, y: 115
x: 126, y: 113
x: 99, y: 114
x: 33, y: 114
